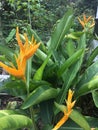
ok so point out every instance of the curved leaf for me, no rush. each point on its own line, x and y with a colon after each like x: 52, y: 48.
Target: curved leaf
x: 11, y: 122
x: 11, y: 35
x: 36, y: 83
x: 70, y: 61
x: 10, y: 112
x: 90, y: 72
x: 77, y: 117
x: 8, y: 52
x: 80, y: 120
x: 62, y: 28
x: 95, y: 98
x: 71, y: 73
x: 15, y: 88
x: 87, y: 88
x: 92, y: 56
x: 40, y: 94
x: 70, y: 48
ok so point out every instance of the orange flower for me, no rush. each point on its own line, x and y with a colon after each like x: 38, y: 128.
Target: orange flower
x: 26, y: 51
x: 87, y: 22
x: 67, y: 111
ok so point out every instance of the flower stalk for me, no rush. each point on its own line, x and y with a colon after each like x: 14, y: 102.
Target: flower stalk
x: 67, y: 111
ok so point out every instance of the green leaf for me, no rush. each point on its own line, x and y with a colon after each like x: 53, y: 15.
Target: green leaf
x: 95, y: 98
x: 70, y: 48
x: 70, y: 61
x: 46, y: 111
x: 12, y: 122
x: 8, y: 52
x: 71, y: 73
x: 92, y: 56
x: 39, y: 73
x: 74, y: 114
x: 11, y: 35
x: 81, y: 121
x: 62, y: 28
x: 11, y: 112
x: 87, y: 87
x: 90, y: 72
x: 93, y: 121
x: 74, y: 35
x: 40, y: 94
x: 60, y: 107
x: 71, y: 125
x: 15, y: 88
x: 41, y: 55
x: 36, y: 83
x: 82, y: 41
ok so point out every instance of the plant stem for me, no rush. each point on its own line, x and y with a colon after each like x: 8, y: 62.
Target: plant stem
x: 29, y: 18
x: 28, y: 92
x: 32, y: 117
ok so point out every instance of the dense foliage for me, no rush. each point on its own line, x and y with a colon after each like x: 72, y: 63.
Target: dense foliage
x: 63, y: 67
x: 39, y: 13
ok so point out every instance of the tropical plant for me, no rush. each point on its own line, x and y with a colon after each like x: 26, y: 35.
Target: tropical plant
x: 42, y: 82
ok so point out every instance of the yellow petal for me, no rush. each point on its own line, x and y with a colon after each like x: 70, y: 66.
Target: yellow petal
x: 88, y: 19
x: 26, y: 41
x: 81, y: 22
x: 92, y: 24
x: 84, y: 17
x: 67, y: 111
x: 19, y: 40
x: 61, y: 122
x: 31, y: 51
x: 70, y: 94
x: 12, y: 71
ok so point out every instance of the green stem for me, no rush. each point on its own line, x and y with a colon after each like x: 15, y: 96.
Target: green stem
x: 29, y: 12
x: 28, y: 92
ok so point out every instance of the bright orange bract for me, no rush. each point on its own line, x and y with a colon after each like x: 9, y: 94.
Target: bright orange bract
x: 87, y: 21
x: 67, y: 112
x: 26, y: 51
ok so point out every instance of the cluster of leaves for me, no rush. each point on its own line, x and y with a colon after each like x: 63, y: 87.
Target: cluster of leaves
x: 39, y: 14
x: 88, y: 7
x: 20, y: 13
x: 64, y: 63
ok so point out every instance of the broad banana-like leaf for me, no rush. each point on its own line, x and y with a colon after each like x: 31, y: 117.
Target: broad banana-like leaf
x: 13, y: 122
x: 11, y: 112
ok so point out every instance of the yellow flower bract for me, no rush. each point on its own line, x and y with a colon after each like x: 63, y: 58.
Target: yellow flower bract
x: 67, y: 111
x: 87, y: 21
x: 26, y: 51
